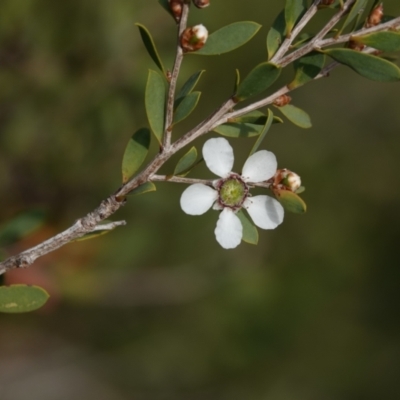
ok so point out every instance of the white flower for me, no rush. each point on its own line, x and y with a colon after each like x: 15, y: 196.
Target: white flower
x: 231, y: 192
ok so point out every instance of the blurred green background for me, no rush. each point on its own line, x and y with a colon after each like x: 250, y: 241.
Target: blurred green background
x: 157, y: 310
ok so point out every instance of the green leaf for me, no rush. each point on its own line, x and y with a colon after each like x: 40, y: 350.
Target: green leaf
x: 358, y: 7
x: 150, y: 46
x: 255, y: 117
x: 92, y: 235
x: 276, y: 34
x: 190, y: 84
x: 250, y: 232
x: 307, y: 68
x: 296, y: 115
x: 155, y: 103
x: 366, y: 65
x: 237, y: 81
x: 21, y: 226
x: 186, y: 106
x: 186, y: 162
x: 236, y: 130
x: 386, y: 41
x: 290, y: 201
x: 264, y: 131
x: 293, y: 10
x: 21, y: 298
x: 301, y: 189
x: 166, y: 6
x: 229, y: 38
x: 143, y: 188
x: 135, y: 153
x: 258, y: 80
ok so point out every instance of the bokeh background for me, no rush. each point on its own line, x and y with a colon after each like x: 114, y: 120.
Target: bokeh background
x: 157, y: 310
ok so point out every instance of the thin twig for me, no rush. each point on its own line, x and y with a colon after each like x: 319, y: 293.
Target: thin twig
x: 169, y: 114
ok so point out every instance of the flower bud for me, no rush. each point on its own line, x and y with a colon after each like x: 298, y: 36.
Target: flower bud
x: 356, y: 45
x: 292, y: 181
x: 176, y: 8
x: 282, y: 100
x: 201, y: 3
x: 375, y: 17
x: 194, y: 38
x: 286, y: 179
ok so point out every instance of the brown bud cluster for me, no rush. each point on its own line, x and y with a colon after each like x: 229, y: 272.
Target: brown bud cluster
x: 193, y: 38
x: 357, y: 46
x: 176, y: 8
x: 375, y: 17
x: 201, y: 3
x: 282, y: 100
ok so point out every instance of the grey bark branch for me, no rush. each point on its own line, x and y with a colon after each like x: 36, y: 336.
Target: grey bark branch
x: 92, y: 221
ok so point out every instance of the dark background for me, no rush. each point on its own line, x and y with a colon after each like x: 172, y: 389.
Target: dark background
x: 157, y: 310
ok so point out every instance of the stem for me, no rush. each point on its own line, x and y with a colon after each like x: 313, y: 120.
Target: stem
x: 169, y: 114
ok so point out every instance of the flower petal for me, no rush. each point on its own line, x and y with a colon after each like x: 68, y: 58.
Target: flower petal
x: 266, y: 212
x: 218, y: 155
x: 260, y: 166
x: 229, y: 230
x: 197, y: 199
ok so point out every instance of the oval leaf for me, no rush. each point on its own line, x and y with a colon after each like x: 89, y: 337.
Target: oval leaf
x: 229, y: 38
x: 385, y: 41
x: 307, y: 68
x: 255, y: 117
x: 155, y: 103
x: 186, y: 162
x: 366, y: 65
x: 135, y: 153
x: 236, y: 130
x: 143, y: 188
x: 166, y: 6
x: 276, y: 34
x: 21, y: 298
x: 293, y: 10
x: 296, y: 115
x: 290, y: 201
x: 21, y: 226
x: 264, y: 131
x: 186, y: 106
x: 358, y: 8
x: 258, y: 80
x: 150, y: 46
x: 189, y: 84
x: 250, y: 232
